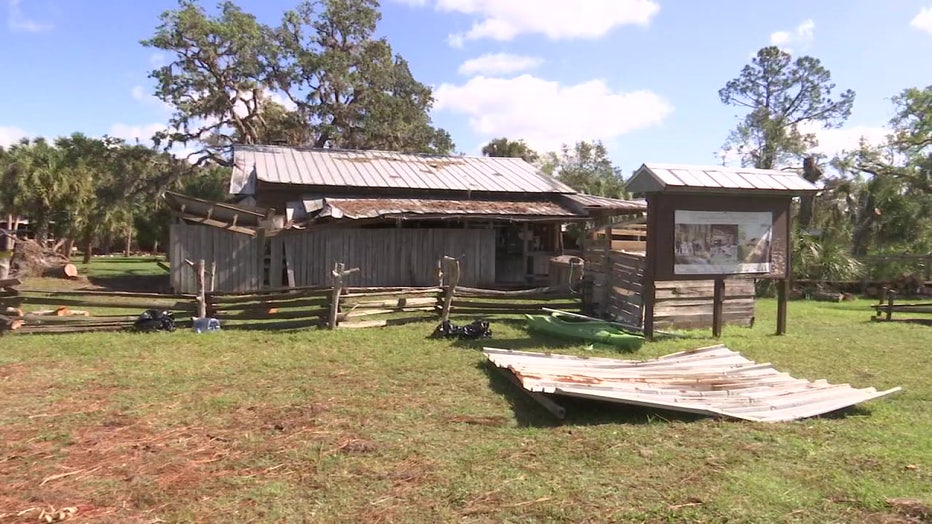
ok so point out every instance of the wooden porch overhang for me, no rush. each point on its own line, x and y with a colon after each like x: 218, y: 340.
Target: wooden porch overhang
x: 438, y: 209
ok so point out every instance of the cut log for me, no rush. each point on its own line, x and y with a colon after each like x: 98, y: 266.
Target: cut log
x: 827, y: 297
x: 69, y: 270
x: 13, y: 311
x: 61, y: 271
x: 10, y: 324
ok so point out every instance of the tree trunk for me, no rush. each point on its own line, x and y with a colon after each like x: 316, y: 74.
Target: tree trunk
x: 7, y: 241
x: 812, y: 173
x: 63, y: 271
x: 129, y: 241
x: 87, y: 244
x: 68, y: 247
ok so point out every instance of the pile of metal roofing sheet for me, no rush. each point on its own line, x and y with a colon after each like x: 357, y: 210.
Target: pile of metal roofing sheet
x: 710, y: 381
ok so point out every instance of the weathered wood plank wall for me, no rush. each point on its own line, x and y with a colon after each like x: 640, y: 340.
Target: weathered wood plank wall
x: 623, y: 292
x: 235, y: 257
x: 387, y: 257
x: 615, y: 283
x: 688, y: 304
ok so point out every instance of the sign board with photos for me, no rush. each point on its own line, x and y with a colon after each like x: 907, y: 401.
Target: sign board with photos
x: 722, y: 242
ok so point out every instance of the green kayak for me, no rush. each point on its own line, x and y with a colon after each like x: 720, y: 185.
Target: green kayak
x: 590, y: 330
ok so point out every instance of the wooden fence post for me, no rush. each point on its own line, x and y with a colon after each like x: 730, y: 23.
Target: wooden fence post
x: 452, y: 276
x: 335, y: 296
x: 200, y: 285
x: 890, y: 295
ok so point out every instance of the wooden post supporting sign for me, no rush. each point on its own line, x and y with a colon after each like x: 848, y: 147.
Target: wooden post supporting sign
x: 718, y: 301
x: 782, y: 291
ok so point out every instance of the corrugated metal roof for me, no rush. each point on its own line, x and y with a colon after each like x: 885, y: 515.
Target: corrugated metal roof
x: 652, y: 178
x: 609, y: 204
x: 383, y: 169
x: 709, y: 381
x: 357, y: 208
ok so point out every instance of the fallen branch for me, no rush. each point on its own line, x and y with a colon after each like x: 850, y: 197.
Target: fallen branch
x: 70, y: 473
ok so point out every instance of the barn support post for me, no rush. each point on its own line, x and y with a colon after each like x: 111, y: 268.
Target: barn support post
x: 260, y: 258
x: 718, y: 300
x: 213, y: 277
x: 451, y: 274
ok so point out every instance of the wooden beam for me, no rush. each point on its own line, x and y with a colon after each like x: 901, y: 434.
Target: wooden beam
x: 9, y: 282
x: 217, y: 224
x: 545, y: 402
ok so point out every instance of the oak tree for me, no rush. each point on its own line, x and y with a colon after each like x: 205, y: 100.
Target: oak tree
x: 503, y: 147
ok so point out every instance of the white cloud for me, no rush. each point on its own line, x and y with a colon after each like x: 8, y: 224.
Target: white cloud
x: 139, y: 93
x: 456, y: 40
x: 547, y: 114
x: 834, y: 141
x: 132, y: 133
x: 556, y: 19
x: 499, y: 64
x: 11, y: 135
x: 282, y: 100
x: 923, y: 20
x: 157, y: 59
x: 779, y: 38
x: 19, y: 22
x: 803, y: 36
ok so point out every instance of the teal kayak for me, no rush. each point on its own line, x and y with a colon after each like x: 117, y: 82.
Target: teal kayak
x: 590, y: 330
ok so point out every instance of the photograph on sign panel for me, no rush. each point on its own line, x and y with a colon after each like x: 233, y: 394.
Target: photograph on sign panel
x: 722, y: 242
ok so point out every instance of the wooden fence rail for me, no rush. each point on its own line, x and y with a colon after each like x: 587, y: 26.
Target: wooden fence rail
x: 884, y: 310
x: 333, y: 306
x: 73, y: 311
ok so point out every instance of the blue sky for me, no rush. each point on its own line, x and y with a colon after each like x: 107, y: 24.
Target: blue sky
x: 640, y: 75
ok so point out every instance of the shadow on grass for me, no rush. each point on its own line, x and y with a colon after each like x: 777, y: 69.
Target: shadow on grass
x: 543, y: 343
x: 850, y: 411
x: 128, y: 281
x: 579, y: 412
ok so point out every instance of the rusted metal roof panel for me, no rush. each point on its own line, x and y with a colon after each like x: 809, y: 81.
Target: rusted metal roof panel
x: 359, y: 208
x: 653, y: 178
x: 383, y: 169
x: 710, y: 381
x: 219, y: 211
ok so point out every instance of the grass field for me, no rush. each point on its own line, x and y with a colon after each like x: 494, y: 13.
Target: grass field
x: 390, y: 426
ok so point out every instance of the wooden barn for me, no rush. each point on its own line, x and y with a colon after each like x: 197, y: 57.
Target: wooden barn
x: 392, y: 215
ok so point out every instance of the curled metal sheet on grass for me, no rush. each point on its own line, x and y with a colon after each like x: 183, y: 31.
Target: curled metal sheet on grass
x: 712, y: 381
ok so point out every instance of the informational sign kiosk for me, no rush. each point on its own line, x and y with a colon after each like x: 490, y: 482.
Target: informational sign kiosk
x: 717, y: 223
